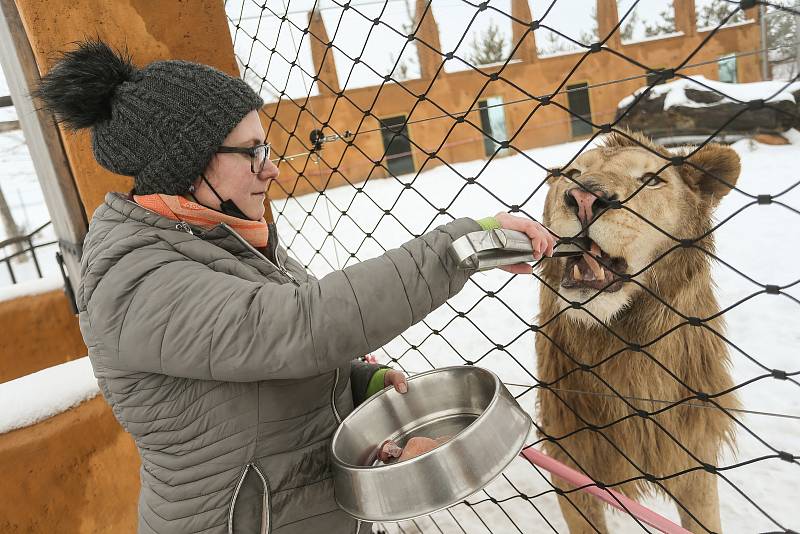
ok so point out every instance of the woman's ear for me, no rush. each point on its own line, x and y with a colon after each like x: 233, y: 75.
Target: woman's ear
x: 711, y: 171
x: 194, y: 185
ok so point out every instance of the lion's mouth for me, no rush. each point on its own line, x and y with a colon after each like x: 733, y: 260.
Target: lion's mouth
x: 594, y: 269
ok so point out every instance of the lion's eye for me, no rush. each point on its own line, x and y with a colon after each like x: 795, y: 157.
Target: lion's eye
x: 651, y: 180
x: 572, y: 173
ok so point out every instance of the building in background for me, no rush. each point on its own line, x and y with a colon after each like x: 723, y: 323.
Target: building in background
x: 432, y: 105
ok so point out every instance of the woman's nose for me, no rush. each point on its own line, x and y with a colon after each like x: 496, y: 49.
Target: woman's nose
x: 269, y: 172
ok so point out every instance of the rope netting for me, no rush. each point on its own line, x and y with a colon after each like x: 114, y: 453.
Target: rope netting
x: 342, y: 200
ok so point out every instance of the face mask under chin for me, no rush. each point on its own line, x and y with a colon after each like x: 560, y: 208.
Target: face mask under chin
x: 228, y: 207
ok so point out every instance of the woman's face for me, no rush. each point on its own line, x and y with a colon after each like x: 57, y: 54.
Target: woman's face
x: 231, y: 176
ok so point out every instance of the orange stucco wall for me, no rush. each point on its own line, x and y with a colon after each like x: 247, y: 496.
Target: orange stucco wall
x: 455, y: 92
x: 40, y: 332
x: 74, y: 473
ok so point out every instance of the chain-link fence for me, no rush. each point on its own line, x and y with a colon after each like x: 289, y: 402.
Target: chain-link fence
x: 638, y: 394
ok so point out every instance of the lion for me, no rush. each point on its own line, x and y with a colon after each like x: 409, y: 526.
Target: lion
x: 636, y: 319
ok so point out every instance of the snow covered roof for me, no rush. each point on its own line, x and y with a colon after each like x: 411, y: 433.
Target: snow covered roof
x: 41, y: 395
x: 771, y: 91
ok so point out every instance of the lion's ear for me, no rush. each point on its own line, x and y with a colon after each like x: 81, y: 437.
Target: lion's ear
x: 712, y: 171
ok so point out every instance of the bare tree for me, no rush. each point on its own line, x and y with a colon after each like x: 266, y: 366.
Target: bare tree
x: 551, y: 44
x: 782, y: 36
x: 10, y: 226
x: 402, y: 69
x: 593, y: 34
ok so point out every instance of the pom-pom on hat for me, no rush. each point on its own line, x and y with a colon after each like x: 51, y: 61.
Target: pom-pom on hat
x: 160, y: 124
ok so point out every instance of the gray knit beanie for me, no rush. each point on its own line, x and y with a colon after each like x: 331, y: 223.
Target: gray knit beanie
x: 160, y: 124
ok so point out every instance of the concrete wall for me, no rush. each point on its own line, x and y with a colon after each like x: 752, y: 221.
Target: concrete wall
x: 456, y: 92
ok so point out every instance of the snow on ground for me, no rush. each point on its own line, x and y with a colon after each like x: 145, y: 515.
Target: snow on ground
x: 762, y: 241
x: 31, y: 287
x: 37, y: 396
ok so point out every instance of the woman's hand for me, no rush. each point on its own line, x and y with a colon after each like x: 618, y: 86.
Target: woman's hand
x: 396, y: 379
x: 542, y: 239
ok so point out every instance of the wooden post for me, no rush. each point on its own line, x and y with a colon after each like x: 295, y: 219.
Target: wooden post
x: 427, y: 31
x: 521, y: 10
x: 607, y: 18
x: 42, y: 137
x: 685, y: 17
x: 322, y: 56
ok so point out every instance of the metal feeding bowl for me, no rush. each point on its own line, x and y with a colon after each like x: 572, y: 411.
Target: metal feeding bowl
x: 487, y: 430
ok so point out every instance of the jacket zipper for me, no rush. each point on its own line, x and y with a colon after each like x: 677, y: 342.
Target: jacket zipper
x: 333, y: 397
x: 252, y: 249
x: 265, y: 515
x: 184, y: 227
x: 235, y: 495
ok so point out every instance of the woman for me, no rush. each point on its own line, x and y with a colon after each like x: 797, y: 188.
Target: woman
x: 229, y: 364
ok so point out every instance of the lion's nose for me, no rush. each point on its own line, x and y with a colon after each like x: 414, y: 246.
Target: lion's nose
x: 588, y: 204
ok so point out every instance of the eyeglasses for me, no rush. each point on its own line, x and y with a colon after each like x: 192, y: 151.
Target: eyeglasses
x: 259, y: 155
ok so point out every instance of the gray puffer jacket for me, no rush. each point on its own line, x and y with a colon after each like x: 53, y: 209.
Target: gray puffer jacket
x: 232, y: 369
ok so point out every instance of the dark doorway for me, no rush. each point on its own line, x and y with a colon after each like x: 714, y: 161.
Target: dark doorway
x: 398, y: 147
x: 578, y: 99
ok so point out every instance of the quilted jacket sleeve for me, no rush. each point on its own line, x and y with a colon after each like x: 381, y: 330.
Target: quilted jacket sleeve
x: 183, y: 318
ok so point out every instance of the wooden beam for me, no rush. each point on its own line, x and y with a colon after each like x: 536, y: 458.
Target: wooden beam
x: 43, y: 140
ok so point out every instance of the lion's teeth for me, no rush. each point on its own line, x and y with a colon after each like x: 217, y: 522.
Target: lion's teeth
x: 596, y: 268
x: 576, y: 273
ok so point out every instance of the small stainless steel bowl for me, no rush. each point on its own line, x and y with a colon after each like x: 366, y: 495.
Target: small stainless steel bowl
x: 488, y: 426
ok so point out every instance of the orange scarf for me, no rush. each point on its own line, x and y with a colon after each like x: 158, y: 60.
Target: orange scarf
x: 178, y: 208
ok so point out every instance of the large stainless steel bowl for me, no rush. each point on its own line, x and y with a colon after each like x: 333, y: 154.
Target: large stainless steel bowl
x: 488, y: 427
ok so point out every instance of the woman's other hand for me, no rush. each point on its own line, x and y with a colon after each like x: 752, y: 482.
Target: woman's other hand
x: 542, y: 239
x: 396, y: 379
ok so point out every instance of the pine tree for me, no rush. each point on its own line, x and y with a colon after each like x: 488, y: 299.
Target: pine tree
x: 489, y: 48
x: 713, y: 13
x: 664, y: 24
x: 629, y: 27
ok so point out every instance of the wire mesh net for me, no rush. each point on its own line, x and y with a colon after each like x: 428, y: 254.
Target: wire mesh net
x: 389, y: 125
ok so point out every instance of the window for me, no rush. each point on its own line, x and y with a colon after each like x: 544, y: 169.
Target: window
x: 578, y: 100
x: 727, y: 69
x: 493, y: 123
x: 398, y: 148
